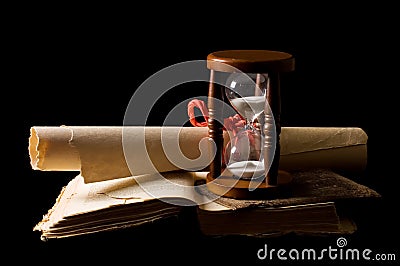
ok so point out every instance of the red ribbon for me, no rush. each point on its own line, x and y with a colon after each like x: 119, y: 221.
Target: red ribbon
x: 202, y: 107
x: 233, y: 123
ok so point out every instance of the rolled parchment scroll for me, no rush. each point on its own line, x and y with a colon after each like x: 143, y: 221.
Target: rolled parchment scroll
x: 101, y: 153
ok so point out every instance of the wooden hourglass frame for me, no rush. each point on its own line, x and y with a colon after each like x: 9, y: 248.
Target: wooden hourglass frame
x: 247, y: 61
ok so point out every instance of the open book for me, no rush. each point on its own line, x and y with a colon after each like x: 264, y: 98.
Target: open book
x: 84, y: 208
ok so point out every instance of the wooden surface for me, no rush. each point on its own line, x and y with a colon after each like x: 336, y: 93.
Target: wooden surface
x: 274, y: 101
x: 250, y: 61
x: 232, y: 187
x: 215, y: 128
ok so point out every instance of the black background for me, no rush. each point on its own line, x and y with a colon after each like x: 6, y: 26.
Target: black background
x: 80, y: 66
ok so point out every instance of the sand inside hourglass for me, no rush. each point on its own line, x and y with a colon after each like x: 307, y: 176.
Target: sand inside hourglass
x: 247, y: 169
x: 249, y: 104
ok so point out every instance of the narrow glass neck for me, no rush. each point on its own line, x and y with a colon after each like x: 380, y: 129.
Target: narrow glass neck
x: 255, y: 123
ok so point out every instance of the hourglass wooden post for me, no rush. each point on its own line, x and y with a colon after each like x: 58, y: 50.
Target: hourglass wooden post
x: 246, y: 61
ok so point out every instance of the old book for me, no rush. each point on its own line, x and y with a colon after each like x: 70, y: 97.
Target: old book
x: 313, y: 218
x: 308, y: 207
x: 311, y: 204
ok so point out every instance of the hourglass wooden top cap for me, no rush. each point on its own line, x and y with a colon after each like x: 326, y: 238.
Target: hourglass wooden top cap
x: 250, y: 61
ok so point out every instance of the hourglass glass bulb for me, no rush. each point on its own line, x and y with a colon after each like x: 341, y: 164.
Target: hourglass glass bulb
x: 244, y: 153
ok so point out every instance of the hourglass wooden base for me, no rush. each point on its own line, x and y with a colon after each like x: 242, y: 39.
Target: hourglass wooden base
x: 228, y: 186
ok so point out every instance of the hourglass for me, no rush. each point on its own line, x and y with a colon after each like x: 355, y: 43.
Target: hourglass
x: 249, y: 80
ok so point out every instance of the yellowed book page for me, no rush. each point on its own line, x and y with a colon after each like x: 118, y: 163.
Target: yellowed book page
x: 79, y: 197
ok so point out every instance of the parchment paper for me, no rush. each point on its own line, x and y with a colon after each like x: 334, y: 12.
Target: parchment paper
x: 99, y: 154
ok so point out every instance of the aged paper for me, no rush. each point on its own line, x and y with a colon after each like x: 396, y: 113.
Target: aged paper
x: 99, y: 154
x: 83, y: 208
x: 337, y: 148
